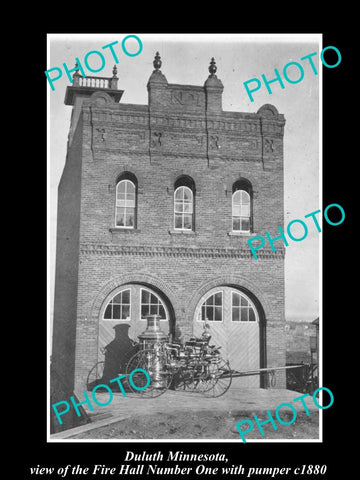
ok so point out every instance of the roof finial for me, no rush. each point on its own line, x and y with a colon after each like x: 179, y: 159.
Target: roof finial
x: 114, y: 71
x: 157, y: 61
x: 76, y: 72
x: 212, y: 67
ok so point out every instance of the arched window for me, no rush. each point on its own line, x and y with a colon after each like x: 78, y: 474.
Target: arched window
x: 119, y: 306
x: 242, y: 308
x: 183, y: 209
x: 212, y: 308
x: 184, y: 191
x: 151, y: 305
x: 125, y: 207
x: 241, y: 207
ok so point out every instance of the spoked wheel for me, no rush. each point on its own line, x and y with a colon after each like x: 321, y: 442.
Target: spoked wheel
x: 154, y: 363
x: 215, y: 380
x: 95, y: 375
x: 201, y: 380
x: 184, y: 379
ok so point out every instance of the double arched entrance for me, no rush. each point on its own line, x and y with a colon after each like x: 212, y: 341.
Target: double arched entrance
x: 235, y: 317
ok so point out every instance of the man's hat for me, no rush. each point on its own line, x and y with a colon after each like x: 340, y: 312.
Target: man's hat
x: 121, y: 326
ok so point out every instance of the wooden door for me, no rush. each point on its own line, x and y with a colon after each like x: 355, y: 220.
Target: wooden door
x: 234, y: 325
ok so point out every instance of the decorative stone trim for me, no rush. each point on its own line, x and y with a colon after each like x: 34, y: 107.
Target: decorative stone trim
x: 192, y: 122
x: 185, y: 252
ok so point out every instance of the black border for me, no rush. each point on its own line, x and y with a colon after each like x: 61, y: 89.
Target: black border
x: 338, y: 319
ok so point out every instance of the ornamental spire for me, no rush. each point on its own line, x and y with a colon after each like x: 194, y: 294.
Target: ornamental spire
x: 157, y: 61
x: 212, y: 67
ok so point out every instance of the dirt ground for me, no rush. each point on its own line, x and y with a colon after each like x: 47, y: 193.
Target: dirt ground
x: 201, y: 425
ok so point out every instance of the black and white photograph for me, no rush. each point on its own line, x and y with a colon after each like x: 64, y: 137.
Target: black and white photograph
x: 197, y: 195
x: 185, y: 210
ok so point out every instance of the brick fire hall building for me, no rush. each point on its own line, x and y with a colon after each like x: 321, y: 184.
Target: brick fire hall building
x: 155, y: 207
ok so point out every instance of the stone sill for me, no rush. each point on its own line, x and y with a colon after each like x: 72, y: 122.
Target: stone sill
x: 241, y: 234
x: 182, y: 232
x: 124, y: 230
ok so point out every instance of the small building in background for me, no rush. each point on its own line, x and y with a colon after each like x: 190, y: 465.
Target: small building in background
x: 302, y: 347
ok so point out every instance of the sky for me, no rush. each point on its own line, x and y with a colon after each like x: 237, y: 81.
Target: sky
x: 239, y: 58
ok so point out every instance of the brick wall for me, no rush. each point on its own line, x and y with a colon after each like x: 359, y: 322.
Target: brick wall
x: 183, y: 281
x: 183, y: 131
x: 67, y: 262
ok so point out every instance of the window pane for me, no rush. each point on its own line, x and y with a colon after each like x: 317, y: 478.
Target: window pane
x: 187, y: 195
x: 188, y: 222
x: 244, y: 302
x: 245, y: 225
x: 218, y: 314
x: 121, y: 187
x: 129, y: 218
x: 130, y: 188
x: 235, y: 299
x: 187, y: 208
x: 125, y: 312
x: 245, y: 197
x: 244, y: 314
x: 218, y: 298
x: 178, y: 207
x: 120, y: 202
x: 153, y: 310
x: 203, y: 312
x: 145, y: 296
x: 236, y: 224
x: 245, y: 211
x: 236, y: 210
x: 154, y: 299
x: 116, y: 312
x: 209, y: 313
x: 178, y: 221
x: 117, y: 299
x: 126, y: 296
x: 235, y: 314
x: 107, y: 314
x: 130, y: 202
x: 179, y: 194
x: 252, y: 315
x: 120, y: 212
x: 162, y: 312
x: 144, y: 311
x: 237, y: 198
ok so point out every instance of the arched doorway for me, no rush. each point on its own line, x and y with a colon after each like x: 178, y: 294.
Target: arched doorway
x: 123, y: 314
x: 236, y: 324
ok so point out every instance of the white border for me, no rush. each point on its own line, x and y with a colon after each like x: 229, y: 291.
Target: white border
x: 224, y: 37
